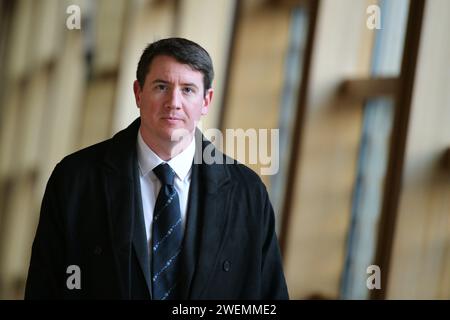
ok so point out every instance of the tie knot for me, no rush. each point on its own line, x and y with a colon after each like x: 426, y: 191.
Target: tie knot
x: 165, y: 174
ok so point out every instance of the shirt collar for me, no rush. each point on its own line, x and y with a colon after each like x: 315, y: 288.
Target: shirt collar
x: 148, y: 159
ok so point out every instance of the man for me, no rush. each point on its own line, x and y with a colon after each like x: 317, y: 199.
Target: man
x: 141, y: 216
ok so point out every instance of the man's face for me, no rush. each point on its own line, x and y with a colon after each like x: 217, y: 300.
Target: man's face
x: 171, y: 101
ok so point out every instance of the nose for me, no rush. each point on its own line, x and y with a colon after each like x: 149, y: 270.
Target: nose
x: 174, y: 99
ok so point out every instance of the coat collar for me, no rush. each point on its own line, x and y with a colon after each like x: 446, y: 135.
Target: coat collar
x: 121, y: 157
x: 121, y: 154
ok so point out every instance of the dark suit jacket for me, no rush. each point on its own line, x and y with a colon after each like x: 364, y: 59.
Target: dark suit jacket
x: 91, y: 217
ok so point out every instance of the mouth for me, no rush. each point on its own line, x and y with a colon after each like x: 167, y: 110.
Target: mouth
x: 171, y: 119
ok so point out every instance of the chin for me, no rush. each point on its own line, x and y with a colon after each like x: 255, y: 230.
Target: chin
x: 176, y: 134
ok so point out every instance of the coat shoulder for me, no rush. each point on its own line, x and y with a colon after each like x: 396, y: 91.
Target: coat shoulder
x: 247, y: 181
x: 245, y: 175
x: 115, y: 150
x: 85, y: 158
x: 242, y: 174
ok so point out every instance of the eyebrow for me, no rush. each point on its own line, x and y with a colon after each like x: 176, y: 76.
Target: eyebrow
x: 189, y: 84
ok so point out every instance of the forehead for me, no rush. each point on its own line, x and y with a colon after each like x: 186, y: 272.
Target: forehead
x: 169, y: 69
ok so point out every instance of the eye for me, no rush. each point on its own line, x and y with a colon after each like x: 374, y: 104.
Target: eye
x: 161, y: 87
x: 188, y: 90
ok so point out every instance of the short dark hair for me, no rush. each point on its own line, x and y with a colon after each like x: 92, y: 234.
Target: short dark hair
x: 184, y: 51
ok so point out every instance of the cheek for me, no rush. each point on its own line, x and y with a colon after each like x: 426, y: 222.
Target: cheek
x: 196, y: 110
x: 149, y: 104
x: 195, y: 113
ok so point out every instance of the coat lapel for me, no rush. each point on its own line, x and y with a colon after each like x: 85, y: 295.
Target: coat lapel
x: 139, y: 236
x: 123, y: 211
x: 190, y: 252
x: 210, y: 196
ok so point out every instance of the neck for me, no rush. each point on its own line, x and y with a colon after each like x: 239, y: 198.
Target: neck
x: 167, y: 150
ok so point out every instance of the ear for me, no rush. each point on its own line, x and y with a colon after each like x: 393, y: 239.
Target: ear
x: 137, y: 92
x: 207, y: 101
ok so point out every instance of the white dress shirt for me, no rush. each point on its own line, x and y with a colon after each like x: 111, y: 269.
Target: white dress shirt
x: 150, y: 184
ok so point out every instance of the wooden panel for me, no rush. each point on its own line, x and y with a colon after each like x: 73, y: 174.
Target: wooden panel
x: 108, y: 34
x: 63, y: 111
x: 48, y: 28
x: 101, y: 87
x: 96, y: 123
x: 420, y: 266
x: 361, y: 89
x: 8, y: 131
x: 256, y: 79
x: 321, y: 207
x: 16, y: 237
x: 21, y: 28
x: 31, y: 121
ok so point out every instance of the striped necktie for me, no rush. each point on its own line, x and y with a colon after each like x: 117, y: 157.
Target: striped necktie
x: 166, y: 237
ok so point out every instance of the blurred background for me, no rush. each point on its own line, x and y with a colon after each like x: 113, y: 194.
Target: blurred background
x: 359, y: 90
